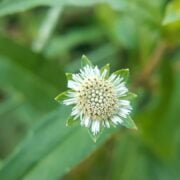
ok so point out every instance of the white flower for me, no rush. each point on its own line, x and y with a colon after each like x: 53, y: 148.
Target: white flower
x: 98, y: 99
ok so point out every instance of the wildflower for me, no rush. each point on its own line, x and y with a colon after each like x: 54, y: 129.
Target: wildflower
x: 98, y: 100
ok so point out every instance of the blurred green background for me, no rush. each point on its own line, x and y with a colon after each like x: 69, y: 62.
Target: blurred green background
x: 40, y: 40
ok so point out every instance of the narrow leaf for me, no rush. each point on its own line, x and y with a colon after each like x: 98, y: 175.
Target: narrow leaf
x: 10, y: 7
x: 52, y: 145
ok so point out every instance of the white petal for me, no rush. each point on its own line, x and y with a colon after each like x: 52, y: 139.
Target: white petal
x: 87, y: 71
x: 117, y: 81
x: 121, y: 91
x: 116, y: 120
x: 123, y: 112
x: 95, y: 128
x: 97, y: 71
x: 75, y: 111
x: 72, y: 94
x: 73, y: 85
x: 120, y: 85
x: 81, y: 116
x: 107, y: 124
x: 87, y: 121
x: 91, y: 71
x: 124, y: 102
x: 77, y: 78
x: 70, y: 101
x: 104, y: 73
x: 112, y: 78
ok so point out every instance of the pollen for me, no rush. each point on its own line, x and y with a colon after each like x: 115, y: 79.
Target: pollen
x: 97, y: 99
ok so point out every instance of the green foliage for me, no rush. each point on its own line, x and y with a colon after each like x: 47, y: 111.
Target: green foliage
x: 9, y: 7
x: 46, y: 146
x: 172, y: 12
x: 40, y: 40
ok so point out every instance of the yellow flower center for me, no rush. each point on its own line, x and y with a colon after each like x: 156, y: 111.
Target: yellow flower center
x: 97, y: 98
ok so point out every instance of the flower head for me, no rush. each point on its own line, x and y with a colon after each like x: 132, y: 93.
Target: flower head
x: 98, y: 100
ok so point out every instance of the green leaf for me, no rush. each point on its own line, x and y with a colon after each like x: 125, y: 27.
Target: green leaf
x: 41, y: 139
x: 71, y: 121
x: 129, y: 123
x: 126, y: 31
x: 33, y: 63
x: 11, y: 103
x: 172, y: 12
x: 133, y: 166
x: 99, y: 56
x: 59, y: 44
x: 28, y: 74
x: 35, y: 91
x: 124, y: 73
x: 107, y: 68
x: 10, y: 7
x: 85, y: 61
x: 61, y: 160
x: 62, y: 96
x: 49, y: 144
x: 159, y: 124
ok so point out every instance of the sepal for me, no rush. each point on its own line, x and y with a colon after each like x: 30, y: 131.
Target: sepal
x: 69, y: 76
x: 107, y: 68
x: 85, y: 61
x: 71, y: 121
x: 124, y: 73
x: 62, y: 96
x: 129, y: 123
x: 129, y: 96
x: 96, y: 136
